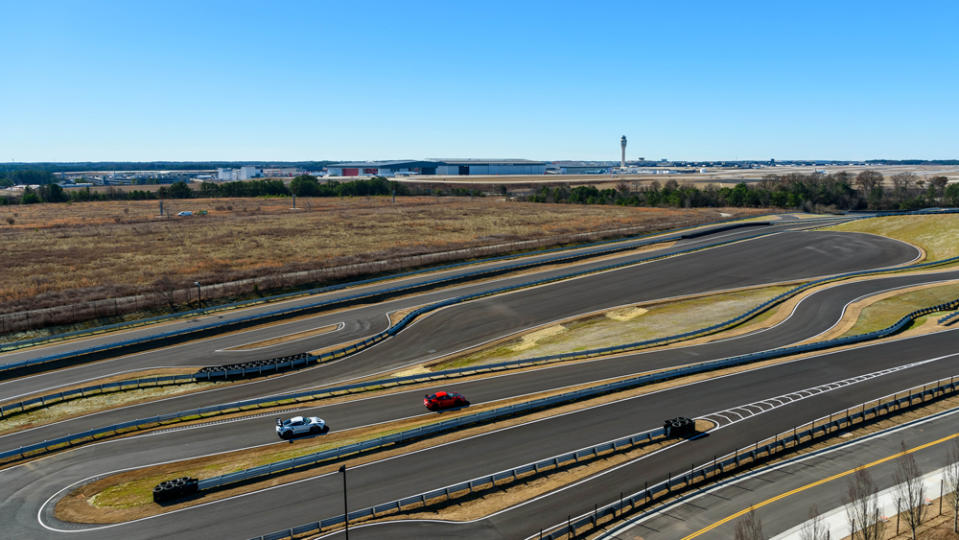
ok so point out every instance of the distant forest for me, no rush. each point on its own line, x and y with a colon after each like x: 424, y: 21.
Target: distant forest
x: 868, y: 190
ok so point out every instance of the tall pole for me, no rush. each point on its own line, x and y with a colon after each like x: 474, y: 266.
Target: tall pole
x: 346, y: 512
x: 622, y: 145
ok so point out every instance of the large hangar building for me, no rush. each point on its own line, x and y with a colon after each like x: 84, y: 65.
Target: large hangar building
x: 446, y: 167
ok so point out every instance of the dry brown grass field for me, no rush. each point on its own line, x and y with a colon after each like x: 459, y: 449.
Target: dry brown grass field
x: 58, y: 254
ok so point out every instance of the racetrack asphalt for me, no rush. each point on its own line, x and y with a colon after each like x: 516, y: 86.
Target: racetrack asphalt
x: 792, y: 255
x: 781, y: 257
x: 778, y: 516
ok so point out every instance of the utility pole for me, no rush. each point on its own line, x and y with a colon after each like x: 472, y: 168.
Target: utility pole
x: 346, y: 512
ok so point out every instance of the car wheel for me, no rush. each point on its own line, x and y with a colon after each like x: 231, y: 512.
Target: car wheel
x: 326, y: 429
x: 314, y: 430
x: 286, y: 435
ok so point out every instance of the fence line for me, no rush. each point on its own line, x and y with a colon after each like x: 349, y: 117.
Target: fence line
x: 112, y: 306
x: 179, y: 335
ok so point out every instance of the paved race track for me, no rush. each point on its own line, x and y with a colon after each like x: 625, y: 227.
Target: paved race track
x: 784, y: 256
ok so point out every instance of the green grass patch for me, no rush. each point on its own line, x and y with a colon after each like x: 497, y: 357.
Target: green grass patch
x: 889, y: 310
x: 607, y: 330
x: 937, y: 234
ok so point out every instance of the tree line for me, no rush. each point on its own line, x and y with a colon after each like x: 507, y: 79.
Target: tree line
x: 302, y: 186
x: 869, y: 190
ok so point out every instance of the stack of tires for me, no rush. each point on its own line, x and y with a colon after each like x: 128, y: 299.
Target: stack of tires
x: 177, y: 488
x: 253, y: 367
x: 679, y: 427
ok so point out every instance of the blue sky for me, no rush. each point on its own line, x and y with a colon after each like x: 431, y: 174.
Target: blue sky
x: 234, y: 80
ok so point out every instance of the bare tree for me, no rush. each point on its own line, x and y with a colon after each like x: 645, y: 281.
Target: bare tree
x: 749, y: 527
x: 862, y: 507
x: 868, y: 179
x: 910, y: 490
x: 904, y: 182
x: 814, y: 528
x: 952, y: 482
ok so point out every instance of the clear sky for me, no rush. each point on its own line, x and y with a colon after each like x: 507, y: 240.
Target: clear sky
x: 313, y: 80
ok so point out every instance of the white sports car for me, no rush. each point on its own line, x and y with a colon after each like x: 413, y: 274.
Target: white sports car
x: 299, y: 425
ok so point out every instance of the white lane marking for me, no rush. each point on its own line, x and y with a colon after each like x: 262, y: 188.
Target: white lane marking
x: 874, y: 293
x: 878, y: 374
x: 867, y: 345
x: 237, y: 348
x: 7, y: 399
x: 751, y: 474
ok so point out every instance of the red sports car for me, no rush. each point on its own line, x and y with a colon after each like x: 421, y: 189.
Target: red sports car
x: 444, y: 400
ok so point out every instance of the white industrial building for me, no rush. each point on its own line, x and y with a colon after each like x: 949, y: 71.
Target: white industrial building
x: 446, y: 167
x: 247, y: 172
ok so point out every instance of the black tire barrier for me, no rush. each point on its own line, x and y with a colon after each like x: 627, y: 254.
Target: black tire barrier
x: 255, y: 367
x: 177, y: 488
x: 679, y: 427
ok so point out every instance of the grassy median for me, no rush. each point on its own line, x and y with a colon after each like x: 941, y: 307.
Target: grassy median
x: 937, y: 235
x: 626, y: 324
x: 886, y: 311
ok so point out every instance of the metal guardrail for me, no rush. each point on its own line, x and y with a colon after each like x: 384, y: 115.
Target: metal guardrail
x: 949, y: 319
x: 482, y: 482
x: 70, y: 440
x: 744, y: 457
x: 77, y: 355
x: 657, y: 237
x: 525, y: 408
x: 212, y: 375
x: 780, y: 444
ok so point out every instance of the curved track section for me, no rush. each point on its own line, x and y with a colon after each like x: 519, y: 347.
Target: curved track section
x: 30, y: 490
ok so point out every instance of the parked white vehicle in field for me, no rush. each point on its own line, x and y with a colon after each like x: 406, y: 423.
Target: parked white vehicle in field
x: 299, y: 425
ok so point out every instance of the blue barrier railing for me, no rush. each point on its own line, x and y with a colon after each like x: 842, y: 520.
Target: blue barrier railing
x: 348, y: 300
x: 656, y: 237
x: 949, y: 319
x: 489, y: 367
x: 782, y: 443
x: 578, y: 395
x: 785, y: 441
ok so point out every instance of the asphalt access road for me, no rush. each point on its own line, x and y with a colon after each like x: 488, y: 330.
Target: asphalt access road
x: 378, y: 482
x: 811, y: 317
x: 757, y: 261
x: 779, y: 516
x: 357, y: 322
x: 134, y: 333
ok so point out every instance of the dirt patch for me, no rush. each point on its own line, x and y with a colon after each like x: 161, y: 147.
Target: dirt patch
x: 530, y: 340
x: 626, y: 314
x: 627, y: 324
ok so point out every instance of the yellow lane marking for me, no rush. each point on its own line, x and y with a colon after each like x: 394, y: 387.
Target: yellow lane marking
x: 771, y: 500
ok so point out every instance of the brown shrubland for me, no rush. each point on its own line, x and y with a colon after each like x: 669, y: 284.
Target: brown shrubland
x: 71, y: 254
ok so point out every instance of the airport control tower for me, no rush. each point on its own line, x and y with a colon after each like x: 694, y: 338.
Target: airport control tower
x: 622, y: 145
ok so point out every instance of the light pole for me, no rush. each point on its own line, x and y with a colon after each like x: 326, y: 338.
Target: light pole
x: 199, y: 297
x: 346, y: 512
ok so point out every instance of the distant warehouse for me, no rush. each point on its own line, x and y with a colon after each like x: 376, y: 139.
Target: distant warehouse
x: 452, y: 167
